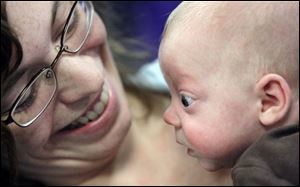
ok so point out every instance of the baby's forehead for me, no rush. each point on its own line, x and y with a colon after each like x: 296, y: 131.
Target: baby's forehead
x: 181, y: 17
x: 193, y: 18
x: 214, y: 24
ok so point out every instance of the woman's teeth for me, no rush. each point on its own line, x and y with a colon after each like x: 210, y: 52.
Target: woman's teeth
x: 92, y: 114
x: 97, y: 110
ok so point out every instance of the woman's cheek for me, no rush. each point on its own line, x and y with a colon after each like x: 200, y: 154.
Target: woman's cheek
x: 36, y: 136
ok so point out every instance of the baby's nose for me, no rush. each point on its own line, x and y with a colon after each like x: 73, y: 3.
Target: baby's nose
x: 171, y: 118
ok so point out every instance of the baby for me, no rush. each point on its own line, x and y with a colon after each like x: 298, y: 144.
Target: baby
x: 233, y: 73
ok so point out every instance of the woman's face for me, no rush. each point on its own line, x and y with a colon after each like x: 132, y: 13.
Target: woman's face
x: 51, y: 146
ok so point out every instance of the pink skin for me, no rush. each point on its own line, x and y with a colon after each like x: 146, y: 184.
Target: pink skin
x: 75, y: 156
x: 221, y: 120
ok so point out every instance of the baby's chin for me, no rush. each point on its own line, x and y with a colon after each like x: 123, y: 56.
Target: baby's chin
x: 212, y: 165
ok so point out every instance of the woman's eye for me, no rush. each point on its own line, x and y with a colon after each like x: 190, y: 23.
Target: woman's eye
x: 28, y: 100
x: 186, y: 100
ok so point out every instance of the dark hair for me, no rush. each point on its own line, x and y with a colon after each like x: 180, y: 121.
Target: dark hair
x: 10, y: 47
x: 129, y: 53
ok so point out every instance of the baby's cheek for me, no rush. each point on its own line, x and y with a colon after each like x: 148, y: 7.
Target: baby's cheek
x: 207, y: 143
x: 198, y: 140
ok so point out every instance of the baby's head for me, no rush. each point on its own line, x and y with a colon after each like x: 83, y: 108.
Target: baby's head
x: 233, y: 73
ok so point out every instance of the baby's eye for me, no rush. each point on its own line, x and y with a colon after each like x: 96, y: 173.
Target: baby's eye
x: 186, y: 100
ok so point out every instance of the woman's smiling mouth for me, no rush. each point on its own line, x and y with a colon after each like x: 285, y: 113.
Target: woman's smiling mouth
x: 94, y: 113
x: 97, y: 120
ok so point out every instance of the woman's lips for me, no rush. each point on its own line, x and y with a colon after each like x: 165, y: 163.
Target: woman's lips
x: 94, y: 111
x: 101, y: 125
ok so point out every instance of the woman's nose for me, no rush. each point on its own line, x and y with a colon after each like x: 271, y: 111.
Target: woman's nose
x: 78, y: 77
x: 171, y: 118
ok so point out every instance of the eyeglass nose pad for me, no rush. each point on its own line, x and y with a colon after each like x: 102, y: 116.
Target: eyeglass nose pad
x: 57, y: 48
x: 49, y: 74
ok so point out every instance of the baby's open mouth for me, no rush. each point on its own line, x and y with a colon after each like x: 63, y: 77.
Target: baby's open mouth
x: 94, y: 113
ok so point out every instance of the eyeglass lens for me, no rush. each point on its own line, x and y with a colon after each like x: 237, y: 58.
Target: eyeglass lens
x: 35, y: 98
x: 78, y: 27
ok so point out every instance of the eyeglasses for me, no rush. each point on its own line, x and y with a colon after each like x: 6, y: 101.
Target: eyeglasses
x: 38, y: 93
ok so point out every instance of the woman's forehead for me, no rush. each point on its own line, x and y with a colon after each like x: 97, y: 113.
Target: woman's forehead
x: 31, y: 21
x: 28, y: 12
x: 27, y: 17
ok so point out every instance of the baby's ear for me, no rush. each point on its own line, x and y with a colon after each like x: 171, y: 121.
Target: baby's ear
x: 275, y: 98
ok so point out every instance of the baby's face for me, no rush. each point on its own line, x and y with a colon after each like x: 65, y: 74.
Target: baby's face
x: 212, y: 110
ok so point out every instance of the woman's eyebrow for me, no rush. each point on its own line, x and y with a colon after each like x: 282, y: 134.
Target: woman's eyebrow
x: 55, y: 6
x: 11, y: 81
